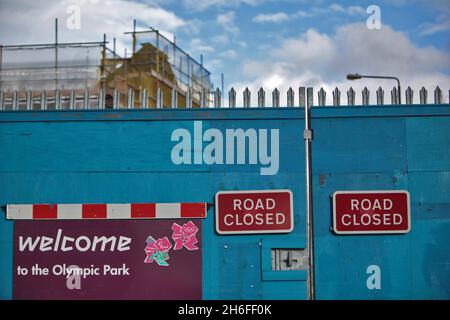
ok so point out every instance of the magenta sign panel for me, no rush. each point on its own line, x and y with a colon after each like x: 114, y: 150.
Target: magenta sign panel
x: 113, y: 259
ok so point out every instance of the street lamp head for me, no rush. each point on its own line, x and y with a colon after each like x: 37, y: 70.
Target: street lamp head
x: 354, y: 76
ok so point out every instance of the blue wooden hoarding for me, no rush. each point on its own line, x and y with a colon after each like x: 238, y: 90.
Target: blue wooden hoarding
x: 124, y: 156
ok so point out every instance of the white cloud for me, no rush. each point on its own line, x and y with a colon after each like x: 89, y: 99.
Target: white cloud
x: 317, y: 59
x: 221, y: 39
x: 229, y: 54
x: 442, y: 21
x: 272, y: 17
x: 199, y: 46
x: 23, y: 21
x: 231, y: 31
x: 355, y: 10
x: 336, y: 7
x: 201, y: 5
x: 351, y: 10
x: 301, y: 14
x: 214, y: 65
x: 243, y: 44
x: 226, y: 21
x: 441, y: 8
x: 387, y: 50
x: 440, y: 5
x: 313, y: 12
x: 307, y: 49
x: 432, y: 28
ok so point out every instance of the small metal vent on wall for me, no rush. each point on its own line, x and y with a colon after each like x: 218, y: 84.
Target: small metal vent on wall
x: 289, y: 259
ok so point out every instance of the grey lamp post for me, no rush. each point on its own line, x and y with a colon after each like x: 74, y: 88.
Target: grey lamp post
x: 357, y: 76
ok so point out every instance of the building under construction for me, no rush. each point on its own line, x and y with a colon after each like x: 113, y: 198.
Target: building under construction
x: 157, y: 74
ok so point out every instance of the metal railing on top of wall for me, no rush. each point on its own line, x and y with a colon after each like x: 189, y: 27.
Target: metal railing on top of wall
x: 54, y: 100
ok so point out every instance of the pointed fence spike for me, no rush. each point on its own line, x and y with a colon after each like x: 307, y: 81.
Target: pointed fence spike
x: 2, y: 100
x: 380, y: 96
x: 188, y: 98
x: 44, y: 100
x: 351, y: 97
x: 322, y: 97
x: 437, y: 95
x: 174, y: 98
x: 86, y: 100
x: 29, y: 100
x: 202, y: 99
x: 116, y: 99
x: 365, y: 97
x: 130, y: 100
x: 101, y: 99
x: 409, y: 93
x: 275, y: 98
x: 72, y: 100
x: 159, y: 98
x: 423, y: 94
x: 232, y: 98
x: 336, y: 97
x: 206, y: 97
x: 57, y: 100
x: 15, y: 101
x: 261, y: 98
x: 144, y: 99
x: 217, y: 98
x: 290, y: 97
x: 246, y: 98
x: 394, y: 96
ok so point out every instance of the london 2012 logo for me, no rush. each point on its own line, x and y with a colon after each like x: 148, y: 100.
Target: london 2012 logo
x: 184, y: 237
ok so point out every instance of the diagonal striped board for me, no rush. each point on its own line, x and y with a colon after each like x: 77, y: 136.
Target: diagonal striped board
x: 107, y: 211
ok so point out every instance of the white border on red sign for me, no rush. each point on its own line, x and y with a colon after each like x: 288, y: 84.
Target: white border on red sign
x: 255, y: 231
x: 372, y: 232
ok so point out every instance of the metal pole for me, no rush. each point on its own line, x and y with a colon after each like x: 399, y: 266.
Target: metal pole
x: 222, y: 88
x: 1, y: 62
x: 174, y: 49
x: 56, y: 53
x: 157, y: 51
x: 134, y: 36
x: 308, y: 137
x: 102, y: 67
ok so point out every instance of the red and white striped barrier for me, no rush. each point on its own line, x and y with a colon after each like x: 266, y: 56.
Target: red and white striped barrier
x: 107, y: 211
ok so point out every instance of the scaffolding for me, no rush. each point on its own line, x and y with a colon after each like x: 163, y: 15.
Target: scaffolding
x: 50, y: 66
x: 157, y: 74
x: 159, y: 66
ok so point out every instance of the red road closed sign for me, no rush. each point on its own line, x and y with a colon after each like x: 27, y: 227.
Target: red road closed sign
x: 254, y: 211
x: 369, y: 212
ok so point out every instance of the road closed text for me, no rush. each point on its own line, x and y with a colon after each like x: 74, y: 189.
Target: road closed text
x: 371, y: 212
x: 265, y: 211
x: 385, y: 217
x: 266, y: 214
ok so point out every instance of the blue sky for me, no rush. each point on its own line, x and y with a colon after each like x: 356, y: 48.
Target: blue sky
x: 265, y: 42
x: 296, y: 17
